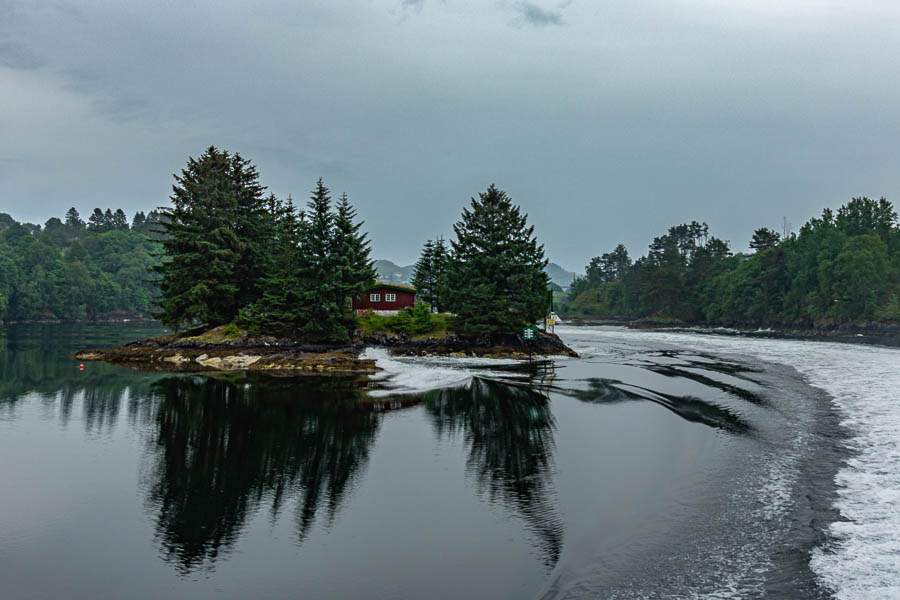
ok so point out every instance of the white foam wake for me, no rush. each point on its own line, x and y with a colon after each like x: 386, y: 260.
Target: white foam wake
x: 862, y: 559
x: 418, y: 374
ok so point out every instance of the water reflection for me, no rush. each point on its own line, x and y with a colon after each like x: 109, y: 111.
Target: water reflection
x: 508, y: 430
x: 223, y: 449
x: 690, y: 408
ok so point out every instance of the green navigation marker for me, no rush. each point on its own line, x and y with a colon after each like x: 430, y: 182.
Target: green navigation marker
x: 529, y: 333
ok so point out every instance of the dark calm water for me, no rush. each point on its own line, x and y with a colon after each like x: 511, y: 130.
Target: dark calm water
x: 644, y: 469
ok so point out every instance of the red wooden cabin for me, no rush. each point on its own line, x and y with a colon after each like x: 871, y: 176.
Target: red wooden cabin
x: 385, y: 297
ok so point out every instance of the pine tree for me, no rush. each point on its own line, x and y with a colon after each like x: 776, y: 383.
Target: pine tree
x: 354, y: 269
x: 74, y: 224
x: 119, y: 222
x: 109, y: 221
x: 154, y: 225
x: 97, y: 222
x: 280, y: 310
x: 430, y: 274
x: 764, y: 238
x: 317, y: 272
x: 139, y: 222
x: 496, y: 280
x: 210, y: 241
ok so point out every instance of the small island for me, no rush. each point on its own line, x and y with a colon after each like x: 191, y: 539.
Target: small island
x: 249, y: 282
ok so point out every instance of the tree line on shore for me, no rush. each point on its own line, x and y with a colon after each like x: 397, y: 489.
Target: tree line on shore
x: 70, y: 269
x: 843, y: 266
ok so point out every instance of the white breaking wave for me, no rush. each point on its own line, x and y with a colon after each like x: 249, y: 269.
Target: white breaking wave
x: 419, y: 374
x: 862, y: 559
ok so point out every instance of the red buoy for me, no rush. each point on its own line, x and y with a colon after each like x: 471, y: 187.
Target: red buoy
x: 81, y: 367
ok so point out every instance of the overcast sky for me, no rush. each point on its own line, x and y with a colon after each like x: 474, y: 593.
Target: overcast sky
x: 608, y: 121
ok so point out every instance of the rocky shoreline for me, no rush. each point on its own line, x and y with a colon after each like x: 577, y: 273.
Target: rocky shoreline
x: 214, y: 351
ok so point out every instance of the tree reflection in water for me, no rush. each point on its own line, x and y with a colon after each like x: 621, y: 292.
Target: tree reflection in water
x: 225, y: 448
x: 509, y: 433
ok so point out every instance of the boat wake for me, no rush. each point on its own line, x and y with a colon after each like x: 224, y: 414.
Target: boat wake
x: 861, y: 556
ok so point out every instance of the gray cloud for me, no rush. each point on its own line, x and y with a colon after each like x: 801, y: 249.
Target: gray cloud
x: 415, y: 5
x: 537, y: 16
x: 18, y: 56
x: 631, y: 118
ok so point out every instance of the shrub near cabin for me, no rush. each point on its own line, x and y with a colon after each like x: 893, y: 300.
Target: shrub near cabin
x: 385, y: 298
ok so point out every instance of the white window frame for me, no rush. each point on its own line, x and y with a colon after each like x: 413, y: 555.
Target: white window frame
x: 390, y: 297
x: 374, y: 297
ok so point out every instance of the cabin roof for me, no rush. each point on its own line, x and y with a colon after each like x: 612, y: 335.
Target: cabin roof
x: 394, y: 286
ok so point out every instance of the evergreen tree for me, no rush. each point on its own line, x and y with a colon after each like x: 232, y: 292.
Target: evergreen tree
x: 496, y: 280
x: 611, y: 266
x: 139, y: 222
x: 210, y: 241
x: 354, y: 269
x: 109, y: 220
x: 154, y: 225
x: 280, y: 310
x: 74, y: 224
x: 97, y: 223
x: 119, y: 221
x: 317, y: 272
x: 430, y: 274
x: 764, y: 238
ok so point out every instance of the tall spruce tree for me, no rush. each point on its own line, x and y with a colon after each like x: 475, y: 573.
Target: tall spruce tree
x: 430, y: 274
x: 354, y: 269
x: 496, y: 281
x: 280, y: 309
x: 211, y: 240
x: 317, y: 272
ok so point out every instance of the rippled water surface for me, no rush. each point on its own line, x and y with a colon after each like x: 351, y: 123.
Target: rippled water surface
x: 656, y: 465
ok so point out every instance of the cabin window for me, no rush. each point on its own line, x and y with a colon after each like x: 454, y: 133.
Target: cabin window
x: 374, y: 297
x: 390, y: 297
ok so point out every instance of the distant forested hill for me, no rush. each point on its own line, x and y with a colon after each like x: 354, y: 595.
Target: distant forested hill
x: 842, y: 267
x: 71, y: 270
x: 389, y: 271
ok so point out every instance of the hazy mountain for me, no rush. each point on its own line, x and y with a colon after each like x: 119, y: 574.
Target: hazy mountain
x: 393, y: 273
x: 560, y: 276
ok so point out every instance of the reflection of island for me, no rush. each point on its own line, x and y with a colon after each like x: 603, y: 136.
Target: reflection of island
x: 509, y: 432
x: 223, y: 449
x: 690, y: 408
x: 37, y: 364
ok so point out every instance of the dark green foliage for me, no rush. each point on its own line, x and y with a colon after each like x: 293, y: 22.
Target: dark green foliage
x: 72, y: 273
x: 843, y: 267
x: 97, y: 222
x: 412, y: 320
x: 216, y: 231
x: 611, y: 266
x: 354, y: 269
x: 118, y: 220
x: 765, y: 238
x: 280, y: 311
x: 317, y: 262
x: 430, y: 274
x: 495, y: 279
x: 320, y: 287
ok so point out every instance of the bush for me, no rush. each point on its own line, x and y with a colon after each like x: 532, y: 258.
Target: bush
x: 415, y: 320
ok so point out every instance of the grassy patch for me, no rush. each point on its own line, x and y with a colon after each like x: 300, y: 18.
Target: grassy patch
x: 416, y: 322
x: 217, y: 335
